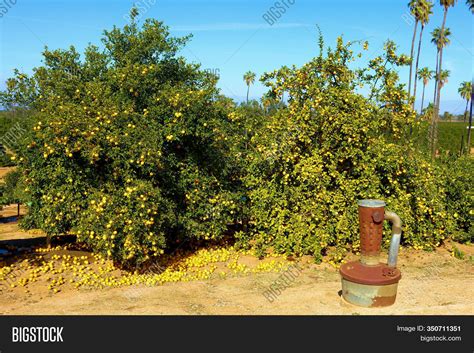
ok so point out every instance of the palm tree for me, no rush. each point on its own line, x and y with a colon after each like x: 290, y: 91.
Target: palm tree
x: 470, y: 3
x: 414, y: 7
x: 426, y: 10
x: 446, y: 5
x: 440, y: 41
x: 439, y: 37
x: 249, y: 79
x: 443, y: 78
x: 426, y: 75
x: 465, y: 92
x: 470, y: 122
x: 428, y: 111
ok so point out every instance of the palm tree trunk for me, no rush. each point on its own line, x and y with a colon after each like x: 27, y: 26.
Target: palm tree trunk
x: 417, y: 62
x: 440, y: 55
x: 436, y: 78
x: 246, y: 133
x: 437, y: 105
x: 433, y: 120
x: 438, y: 94
x: 469, y: 127
x: 422, y: 99
x: 411, y: 57
x: 465, y: 111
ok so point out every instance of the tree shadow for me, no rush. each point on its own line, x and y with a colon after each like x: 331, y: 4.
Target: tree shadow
x: 10, y: 219
x: 17, y: 250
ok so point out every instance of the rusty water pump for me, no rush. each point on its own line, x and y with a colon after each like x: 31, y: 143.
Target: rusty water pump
x: 368, y: 282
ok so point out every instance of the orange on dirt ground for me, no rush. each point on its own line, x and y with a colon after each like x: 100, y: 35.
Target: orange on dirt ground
x: 432, y: 283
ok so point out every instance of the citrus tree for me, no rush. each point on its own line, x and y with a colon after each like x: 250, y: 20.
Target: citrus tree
x: 126, y: 150
x: 134, y: 150
x: 342, y: 137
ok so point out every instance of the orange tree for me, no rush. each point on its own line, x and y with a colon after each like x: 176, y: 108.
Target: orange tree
x: 126, y: 150
x: 343, y: 136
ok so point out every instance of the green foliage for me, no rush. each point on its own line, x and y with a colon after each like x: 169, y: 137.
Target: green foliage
x: 451, y: 137
x: 310, y: 162
x: 5, y: 158
x: 458, y: 174
x: 134, y: 150
x: 13, y: 128
x: 126, y: 151
x: 11, y: 189
x: 458, y: 254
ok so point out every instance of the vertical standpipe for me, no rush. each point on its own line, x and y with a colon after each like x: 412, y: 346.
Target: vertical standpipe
x: 371, y: 216
x: 369, y: 282
x: 396, y: 236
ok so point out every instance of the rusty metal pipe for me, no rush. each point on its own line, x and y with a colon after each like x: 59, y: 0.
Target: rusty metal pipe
x: 396, y: 236
x: 371, y: 216
x: 369, y: 282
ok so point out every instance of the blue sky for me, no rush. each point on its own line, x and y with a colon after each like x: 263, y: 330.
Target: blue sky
x: 232, y: 36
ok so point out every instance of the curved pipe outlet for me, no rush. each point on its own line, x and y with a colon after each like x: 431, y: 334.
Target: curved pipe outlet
x: 396, y: 236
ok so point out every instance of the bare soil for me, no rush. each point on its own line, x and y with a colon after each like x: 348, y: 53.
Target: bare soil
x: 432, y: 283
x: 5, y: 170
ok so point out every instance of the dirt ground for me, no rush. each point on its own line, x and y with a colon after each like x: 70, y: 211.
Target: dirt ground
x: 5, y: 170
x: 432, y: 283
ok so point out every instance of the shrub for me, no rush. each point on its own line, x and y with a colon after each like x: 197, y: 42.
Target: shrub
x: 333, y: 145
x: 5, y: 158
x: 11, y: 189
x: 458, y: 174
x: 134, y: 150
x: 452, y: 137
x: 127, y: 150
x: 13, y: 127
